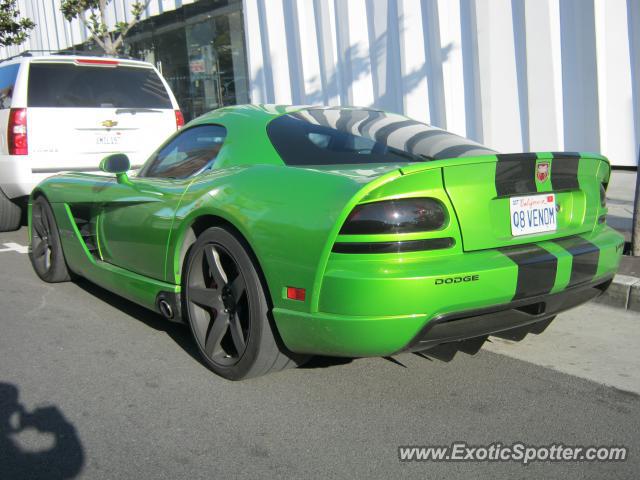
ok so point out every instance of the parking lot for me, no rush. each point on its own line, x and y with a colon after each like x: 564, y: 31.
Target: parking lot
x: 95, y: 386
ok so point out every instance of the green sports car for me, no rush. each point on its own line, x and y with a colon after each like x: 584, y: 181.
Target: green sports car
x: 281, y: 232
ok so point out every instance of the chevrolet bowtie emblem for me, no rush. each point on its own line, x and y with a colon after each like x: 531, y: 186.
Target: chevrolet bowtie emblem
x: 109, y: 123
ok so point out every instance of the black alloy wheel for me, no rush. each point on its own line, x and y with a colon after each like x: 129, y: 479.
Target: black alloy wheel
x: 218, y: 304
x: 227, y: 307
x: 46, y: 252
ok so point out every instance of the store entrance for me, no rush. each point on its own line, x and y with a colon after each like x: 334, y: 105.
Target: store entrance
x: 215, y: 67
x: 200, y: 52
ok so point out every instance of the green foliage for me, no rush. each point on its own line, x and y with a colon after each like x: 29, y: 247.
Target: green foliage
x: 92, y: 14
x: 13, y: 30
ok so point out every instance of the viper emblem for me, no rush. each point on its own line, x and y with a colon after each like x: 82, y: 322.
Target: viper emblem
x: 542, y: 171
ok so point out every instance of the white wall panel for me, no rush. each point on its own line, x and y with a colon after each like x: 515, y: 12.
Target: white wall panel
x: 615, y: 92
x: 413, y: 55
x: 450, y: 25
x: 258, y: 86
x: 359, y: 79
x: 309, y: 53
x: 498, y: 76
x: 515, y: 74
x: 279, y: 53
x: 544, y: 74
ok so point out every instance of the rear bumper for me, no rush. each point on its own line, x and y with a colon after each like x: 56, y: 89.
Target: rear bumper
x: 375, y: 305
x: 513, y: 320
x: 16, y: 178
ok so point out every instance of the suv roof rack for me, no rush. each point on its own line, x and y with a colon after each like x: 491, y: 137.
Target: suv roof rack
x: 30, y: 53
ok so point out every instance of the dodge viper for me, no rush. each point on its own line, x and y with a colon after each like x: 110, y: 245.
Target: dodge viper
x: 280, y: 232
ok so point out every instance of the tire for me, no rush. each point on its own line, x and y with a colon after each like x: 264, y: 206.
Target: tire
x: 227, y: 309
x: 46, y: 253
x: 10, y: 214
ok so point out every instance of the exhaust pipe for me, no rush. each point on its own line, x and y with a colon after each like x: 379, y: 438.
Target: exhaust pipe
x: 165, y: 308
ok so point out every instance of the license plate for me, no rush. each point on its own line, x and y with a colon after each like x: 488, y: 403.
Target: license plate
x: 108, y: 139
x: 533, y: 214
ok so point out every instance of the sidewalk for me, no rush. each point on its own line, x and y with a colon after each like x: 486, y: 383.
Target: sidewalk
x: 591, y: 341
x: 625, y: 290
x: 620, y: 195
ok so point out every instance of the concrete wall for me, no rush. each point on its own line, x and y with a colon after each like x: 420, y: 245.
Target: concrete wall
x: 514, y: 74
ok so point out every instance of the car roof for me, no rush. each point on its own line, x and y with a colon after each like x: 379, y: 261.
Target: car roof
x: 28, y: 58
x: 264, y: 112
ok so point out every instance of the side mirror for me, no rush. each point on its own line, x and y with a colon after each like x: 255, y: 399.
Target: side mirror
x: 117, y: 163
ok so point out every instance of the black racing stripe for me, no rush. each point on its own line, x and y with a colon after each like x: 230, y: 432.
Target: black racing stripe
x: 344, y: 118
x: 536, y: 269
x: 355, y: 118
x: 566, y: 154
x: 457, y: 151
x: 372, y: 117
x: 382, y: 135
x: 585, y: 255
x: 319, y: 116
x: 564, y: 171
x: 412, y: 143
x: 516, y: 174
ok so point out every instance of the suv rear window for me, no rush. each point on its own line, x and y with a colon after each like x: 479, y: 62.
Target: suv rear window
x: 326, y: 136
x: 8, y: 76
x: 68, y: 85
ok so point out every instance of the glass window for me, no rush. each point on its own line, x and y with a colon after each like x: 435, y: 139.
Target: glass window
x: 323, y: 136
x: 188, y: 153
x: 200, y: 51
x: 217, y: 73
x: 8, y: 76
x: 70, y: 85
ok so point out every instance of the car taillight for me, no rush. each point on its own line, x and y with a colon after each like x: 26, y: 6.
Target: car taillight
x: 603, y: 195
x: 396, y: 216
x: 179, y: 120
x: 17, y: 132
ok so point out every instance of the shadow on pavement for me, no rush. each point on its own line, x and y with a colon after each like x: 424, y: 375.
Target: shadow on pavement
x: 179, y: 333
x: 64, y: 459
x: 326, y: 362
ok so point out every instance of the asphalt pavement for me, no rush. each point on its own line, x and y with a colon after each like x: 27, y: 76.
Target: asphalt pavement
x: 93, y: 386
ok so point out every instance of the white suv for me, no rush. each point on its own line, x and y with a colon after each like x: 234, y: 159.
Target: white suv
x: 65, y: 113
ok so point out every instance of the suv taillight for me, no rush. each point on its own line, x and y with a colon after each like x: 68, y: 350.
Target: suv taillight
x: 17, y: 132
x: 179, y: 120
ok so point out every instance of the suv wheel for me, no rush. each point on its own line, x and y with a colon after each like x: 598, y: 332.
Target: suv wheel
x: 10, y: 214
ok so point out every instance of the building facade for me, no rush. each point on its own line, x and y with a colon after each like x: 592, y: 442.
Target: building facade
x: 517, y: 75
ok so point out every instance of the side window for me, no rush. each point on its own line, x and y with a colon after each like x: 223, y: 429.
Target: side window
x: 190, y: 152
x: 8, y: 76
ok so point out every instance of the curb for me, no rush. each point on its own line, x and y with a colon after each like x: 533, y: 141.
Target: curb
x: 624, y: 293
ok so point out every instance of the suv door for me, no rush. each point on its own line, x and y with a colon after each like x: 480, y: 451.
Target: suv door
x: 136, y: 218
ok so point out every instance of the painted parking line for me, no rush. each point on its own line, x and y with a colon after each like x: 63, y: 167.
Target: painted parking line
x: 14, y: 247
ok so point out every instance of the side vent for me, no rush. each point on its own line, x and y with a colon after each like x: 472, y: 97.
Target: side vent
x: 85, y: 219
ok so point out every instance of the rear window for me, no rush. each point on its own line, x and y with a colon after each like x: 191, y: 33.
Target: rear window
x: 8, y: 76
x: 80, y: 86
x: 325, y: 136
